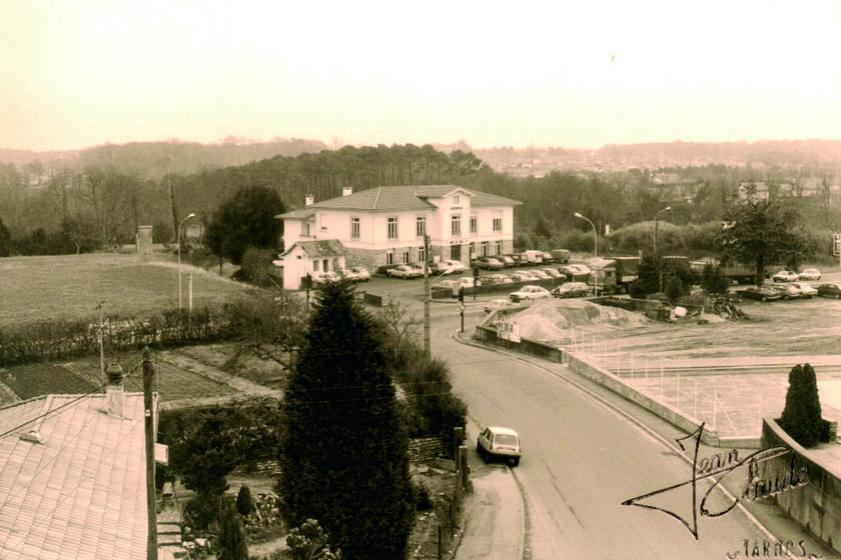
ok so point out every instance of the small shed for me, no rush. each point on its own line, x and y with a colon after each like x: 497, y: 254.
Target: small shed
x: 306, y: 257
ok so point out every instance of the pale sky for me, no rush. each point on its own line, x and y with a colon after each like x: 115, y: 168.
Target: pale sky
x: 575, y: 74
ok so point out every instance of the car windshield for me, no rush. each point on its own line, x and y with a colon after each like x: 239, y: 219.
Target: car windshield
x: 505, y: 439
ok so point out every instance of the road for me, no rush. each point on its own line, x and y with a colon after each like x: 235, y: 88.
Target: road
x: 581, y: 460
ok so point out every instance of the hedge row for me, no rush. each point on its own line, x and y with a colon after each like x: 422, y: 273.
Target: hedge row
x: 58, y: 340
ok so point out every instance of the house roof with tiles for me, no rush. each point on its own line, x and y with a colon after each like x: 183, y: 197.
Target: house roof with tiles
x: 320, y: 248
x: 390, y: 199
x: 73, y: 483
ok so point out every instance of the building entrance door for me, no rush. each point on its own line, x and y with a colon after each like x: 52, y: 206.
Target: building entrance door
x: 455, y: 252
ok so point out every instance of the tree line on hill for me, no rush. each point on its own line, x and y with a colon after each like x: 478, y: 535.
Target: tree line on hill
x: 103, y: 204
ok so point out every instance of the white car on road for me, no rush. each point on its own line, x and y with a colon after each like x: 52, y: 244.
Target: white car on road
x: 529, y: 292
x: 405, y: 271
x: 805, y: 288
x: 495, y: 442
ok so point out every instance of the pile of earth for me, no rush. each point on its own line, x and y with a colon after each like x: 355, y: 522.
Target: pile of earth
x: 568, y: 320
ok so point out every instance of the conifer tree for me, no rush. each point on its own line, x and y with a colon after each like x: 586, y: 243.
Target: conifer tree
x: 801, y: 418
x: 230, y: 543
x: 344, y: 455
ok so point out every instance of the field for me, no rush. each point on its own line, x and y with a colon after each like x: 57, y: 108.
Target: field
x: 71, y: 286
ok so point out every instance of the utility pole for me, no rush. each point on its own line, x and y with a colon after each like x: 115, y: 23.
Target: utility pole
x: 101, y: 347
x: 426, y: 297
x: 151, y: 501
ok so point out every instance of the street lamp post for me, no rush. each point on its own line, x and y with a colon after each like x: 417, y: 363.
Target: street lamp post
x: 595, y: 249
x: 657, y: 255
x: 178, y: 240
x: 595, y: 234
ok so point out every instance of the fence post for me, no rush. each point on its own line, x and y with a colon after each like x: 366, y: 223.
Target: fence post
x: 465, y: 469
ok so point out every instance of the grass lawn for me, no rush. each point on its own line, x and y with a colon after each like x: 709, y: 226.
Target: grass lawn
x: 71, y: 286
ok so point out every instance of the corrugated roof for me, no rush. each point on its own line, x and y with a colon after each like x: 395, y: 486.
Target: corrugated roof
x: 320, y: 248
x: 82, y: 492
x: 411, y: 197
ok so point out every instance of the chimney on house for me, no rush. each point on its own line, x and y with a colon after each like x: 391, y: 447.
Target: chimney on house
x: 308, y: 200
x: 347, y: 191
x: 114, y: 390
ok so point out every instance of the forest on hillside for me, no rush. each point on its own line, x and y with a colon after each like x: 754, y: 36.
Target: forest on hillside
x: 104, y: 201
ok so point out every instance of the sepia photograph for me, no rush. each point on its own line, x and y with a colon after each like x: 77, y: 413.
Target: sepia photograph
x: 420, y: 281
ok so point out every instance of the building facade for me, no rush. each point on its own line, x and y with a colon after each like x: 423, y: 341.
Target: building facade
x: 386, y: 225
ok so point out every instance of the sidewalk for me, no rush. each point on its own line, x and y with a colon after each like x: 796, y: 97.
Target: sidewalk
x: 495, y: 517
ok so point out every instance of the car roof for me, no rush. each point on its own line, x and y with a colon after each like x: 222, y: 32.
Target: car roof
x: 501, y: 430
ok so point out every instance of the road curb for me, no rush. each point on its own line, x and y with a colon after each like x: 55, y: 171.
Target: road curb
x: 758, y: 524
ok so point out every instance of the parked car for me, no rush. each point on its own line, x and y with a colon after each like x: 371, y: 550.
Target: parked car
x: 495, y: 442
x: 523, y: 276
x: 448, y: 267
x: 529, y: 292
x: 383, y: 270
x: 806, y: 289
x: 830, y: 291
x: 496, y: 279
x: 324, y: 277
x: 561, y: 255
x: 571, y: 289
x: 488, y: 263
x: 552, y: 272
x: 507, y: 261
x: 497, y: 304
x: 787, y: 291
x: 809, y: 274
x: 761, y: 293
x: 356, y: 274
x: 572, y: 271
x: 548, y: 258
x: 405, y: 271
x: 538, y: 273
x: 532, y: 257
x: 517, y: 258
x: 785, y: 276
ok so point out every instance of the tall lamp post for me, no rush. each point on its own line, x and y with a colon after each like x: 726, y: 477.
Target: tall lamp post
x: 595, y: 233
x: 657, y: 255
x: 595, y: 248
x: 178, y: 240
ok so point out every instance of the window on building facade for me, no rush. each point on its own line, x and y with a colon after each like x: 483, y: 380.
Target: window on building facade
x: 420, y: 226
x: 316, y: 265
x: 484, y: 248
x: 421, y: 254
x: 499, y: 247
x: 392, y: 228
x: 389, y: 257
x: 354, y: 227
x: 456, y: 225
x: 472, y: 224
x: 472, y: 249
x: 305, y: 228
x: 497, y: 224
x: 406, y: 256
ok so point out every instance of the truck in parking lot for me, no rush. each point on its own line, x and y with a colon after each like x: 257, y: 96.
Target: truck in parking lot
x: 733, y: 271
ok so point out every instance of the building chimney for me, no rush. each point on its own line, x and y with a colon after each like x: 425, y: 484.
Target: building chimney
x: 308, y: 200
x: 114, y: 390
x: 347, y: 191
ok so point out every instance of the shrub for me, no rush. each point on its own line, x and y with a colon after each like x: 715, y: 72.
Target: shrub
x: 201, y: 511
x: 257, y: 265
x: 244, y: 503
x: 801, y: 417
x: 674, y: 289
x: 230, y: 542
x: 423, y: 501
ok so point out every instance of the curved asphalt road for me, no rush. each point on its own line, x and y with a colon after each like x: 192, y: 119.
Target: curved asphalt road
x: 581, y: 460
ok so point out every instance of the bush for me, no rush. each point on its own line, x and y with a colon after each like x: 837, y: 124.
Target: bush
x: 245, y: 505
x: 674, y: 289
x: 801, y: 418
x: 201, y: 511
x: 230, y: 542
x: 423, y: 501
x: 257, y: 266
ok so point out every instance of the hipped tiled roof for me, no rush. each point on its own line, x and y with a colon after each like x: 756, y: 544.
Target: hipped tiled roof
x: 412, y: 197
x: 321, y: 248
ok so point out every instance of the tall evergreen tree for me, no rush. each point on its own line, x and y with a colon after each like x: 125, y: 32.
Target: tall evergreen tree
x: 801, y: 418
x: 344, y: 455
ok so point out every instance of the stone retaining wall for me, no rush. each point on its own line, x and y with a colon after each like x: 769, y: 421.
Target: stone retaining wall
x: 817, y: 505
